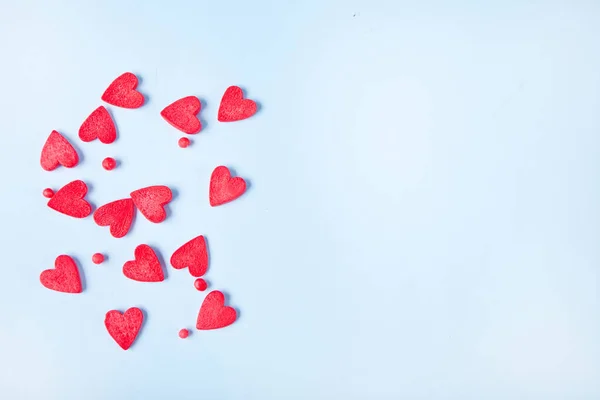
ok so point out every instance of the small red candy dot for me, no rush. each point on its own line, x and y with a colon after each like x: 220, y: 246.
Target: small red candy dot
x: 183, y: 142
x: 48, y: 193
x: 200, y: 284
x: 97, y: 258
x: 109, y: 163
x: 184, y: 333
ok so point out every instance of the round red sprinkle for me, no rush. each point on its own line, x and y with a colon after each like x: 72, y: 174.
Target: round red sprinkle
x: 48, y: 193
x: 184, y: 333
x: 200, y: 284
x: 183, y: 142
x: 109, y: 163
x: 97, y: 258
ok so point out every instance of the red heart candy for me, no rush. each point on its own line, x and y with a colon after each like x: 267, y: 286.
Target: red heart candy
x: 118, y: 215
x: 70, y: 201
x: 182, y: 114
x: 213, y: 312
x: 58, y: 151
x: 151, y: 201
x: 234, y: 107
x: 98, y: 125
x: 146, y: 266
x: 223, y: 187
x: 122, y: 93
x: 64, y: 277
x: 124, y: 328
x: 193, y: 255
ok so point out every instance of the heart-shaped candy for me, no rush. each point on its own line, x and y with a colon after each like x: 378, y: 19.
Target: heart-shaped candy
x: 193, y: 255
x: 118, y: 215
x: 151, y: 201
x: 224, y: 188
x: 99, y: 125
x: 213, y: 312
x: 124, y: 328
x: 122, y: 93
x: 182, y: 114
x: 146, y: 266
x: 70, y: 201
x: 58, y: 151
x: 64, y: 277
x: 234, y: 107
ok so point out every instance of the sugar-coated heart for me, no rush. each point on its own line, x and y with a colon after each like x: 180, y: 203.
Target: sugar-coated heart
x: 124, y: 328
x: 193, y: 255
x: 224, y: 188
x: 213, y: 312
x: 234, y: 107
x: 182, y: 114
x: 70, y: 201
x: 99, y: 125
x: 118, y: 215
x: 58, y: 151
x: 146, y: 266
x: 64, y: 277
x: 122, y: 93
x: 151, y: 201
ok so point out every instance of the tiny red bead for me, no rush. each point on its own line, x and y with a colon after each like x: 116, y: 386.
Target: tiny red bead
x: 48, y: 192
x: 97, y: 258
x: 183, y: 142
x: 200, y: 284
x: 184, y: 333
x: 109, y: 163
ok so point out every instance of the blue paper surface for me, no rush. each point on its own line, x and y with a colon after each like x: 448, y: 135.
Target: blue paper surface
x: 422, y: 219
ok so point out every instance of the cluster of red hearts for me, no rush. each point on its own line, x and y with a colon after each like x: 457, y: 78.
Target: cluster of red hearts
x: 118, y: 215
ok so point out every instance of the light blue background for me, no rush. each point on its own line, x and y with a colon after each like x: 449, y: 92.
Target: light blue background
x: 423, y: 218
